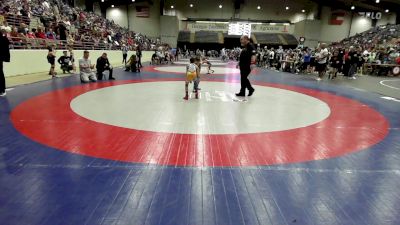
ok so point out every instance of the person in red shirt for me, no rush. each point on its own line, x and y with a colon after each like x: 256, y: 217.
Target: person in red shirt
x: 15, y: 36
x: 82, y: 16
x: 30, y: 39
x: 40, y: 34
x: 130, y: 41
x: 30, y: 35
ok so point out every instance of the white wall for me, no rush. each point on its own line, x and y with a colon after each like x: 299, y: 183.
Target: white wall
x: 270, y: 10
x: 119, y: 14
x: 360, y: 24
x: 299, y: 29
x: 310, y: 29
x: 352, y: 26
x: 203, y: 9
x: 169, y: 30
x: 147, y: 26
x: 126, y: 17
x: 387, y: 19
x: 332, y: 33
x: 40, y: 64
x: 96, y: 8
x: 298, y: 17
x: 80, y: 4
x: 275, y: 10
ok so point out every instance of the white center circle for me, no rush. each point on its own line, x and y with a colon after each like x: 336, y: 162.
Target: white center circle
x: 159, y: 107
x: 182, y: 69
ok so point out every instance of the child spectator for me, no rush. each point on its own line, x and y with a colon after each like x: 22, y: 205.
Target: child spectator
x: 51, y: 58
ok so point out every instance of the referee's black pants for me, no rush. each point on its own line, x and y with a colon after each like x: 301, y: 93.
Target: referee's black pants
x: 2, y: 79
x: 100, y: 73
x: 244, y: 80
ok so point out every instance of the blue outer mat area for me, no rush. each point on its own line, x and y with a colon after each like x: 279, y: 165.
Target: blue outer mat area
x: 44, y: 186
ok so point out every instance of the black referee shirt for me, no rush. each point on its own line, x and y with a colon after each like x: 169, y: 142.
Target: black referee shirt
x: 245, y: 56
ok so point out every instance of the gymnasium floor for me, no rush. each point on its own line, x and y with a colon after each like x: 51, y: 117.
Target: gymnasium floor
x: 132, y: 151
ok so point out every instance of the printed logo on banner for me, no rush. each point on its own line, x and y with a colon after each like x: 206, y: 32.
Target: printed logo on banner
x: 371, y: 15
x: 235, y: 28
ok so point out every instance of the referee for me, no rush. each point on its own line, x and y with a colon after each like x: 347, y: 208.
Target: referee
x: 4, y: 57
x: 246, y: 61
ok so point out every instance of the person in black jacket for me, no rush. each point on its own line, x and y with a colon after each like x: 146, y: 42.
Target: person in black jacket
x: 4, y: 57
x: 65, y: 62
x: 335, y: 63
x: 102, y: 65
x: 354, y: 59
x: 247, y: 60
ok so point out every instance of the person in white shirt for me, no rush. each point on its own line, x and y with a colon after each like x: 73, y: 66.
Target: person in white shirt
x: 322, y: 59
x: 85, y: 68
x: 46, y: 5
x: 271, y: 57
x: 223, y: 54
x: 6, y: 28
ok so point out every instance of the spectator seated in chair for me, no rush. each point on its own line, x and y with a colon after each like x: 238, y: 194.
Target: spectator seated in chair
x: 102, y: 65
x: 155, y: 60
x: 65, y: 62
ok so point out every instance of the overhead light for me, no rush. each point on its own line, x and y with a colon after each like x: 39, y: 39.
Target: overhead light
x: 258, y: 7
x: 377, y: 1
x: 272, y: 24
x: 172, y: 6
x: 387, y: 10
x: 353, y: 7
x: 286, y: 24
x: 220, y: 6
x: 191, y: 5
x: 112, y: 6
x: 303, y: 11
x: 287, y: 8
x: 102, y: 0
x: 133, y: 0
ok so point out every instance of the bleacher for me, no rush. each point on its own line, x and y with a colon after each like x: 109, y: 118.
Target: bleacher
x: 226, y: 35
x: 378, y: 36
x: 184, y: 36
x: 16, y: 20
x: 90, y: 37
x: 290, y: 39
x: 267, y: 38
x: 218, y: 38
x: 206, y: 37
